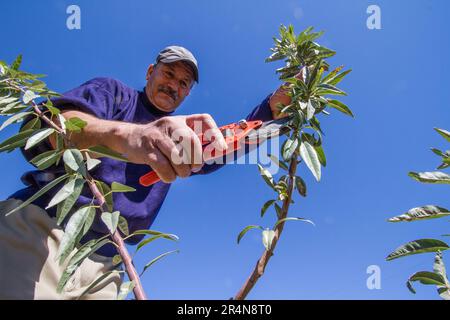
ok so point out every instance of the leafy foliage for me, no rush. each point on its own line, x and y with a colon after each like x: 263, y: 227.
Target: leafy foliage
x: 19, y: 95
x: 438, y: 276
x: 310, y: 86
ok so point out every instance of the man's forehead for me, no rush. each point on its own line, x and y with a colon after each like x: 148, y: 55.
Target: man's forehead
x: 180, y: 66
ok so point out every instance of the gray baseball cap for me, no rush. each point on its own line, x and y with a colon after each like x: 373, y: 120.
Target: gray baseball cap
x: 177, y: 53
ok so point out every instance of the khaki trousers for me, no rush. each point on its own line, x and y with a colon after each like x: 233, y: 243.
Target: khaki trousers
x: 29, y: 241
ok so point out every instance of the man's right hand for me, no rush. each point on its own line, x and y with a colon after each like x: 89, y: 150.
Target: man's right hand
x: 158, y: 144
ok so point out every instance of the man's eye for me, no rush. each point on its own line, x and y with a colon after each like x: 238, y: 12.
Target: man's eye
x: 169, y: 74
x: 183, y: 84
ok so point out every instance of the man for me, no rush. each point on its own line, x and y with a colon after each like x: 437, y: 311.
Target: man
x: 138, y: 124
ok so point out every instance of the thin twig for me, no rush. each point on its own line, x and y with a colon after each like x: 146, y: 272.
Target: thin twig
x: 261, y: 264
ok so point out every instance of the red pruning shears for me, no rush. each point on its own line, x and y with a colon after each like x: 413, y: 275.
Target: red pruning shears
x: 247, y: 132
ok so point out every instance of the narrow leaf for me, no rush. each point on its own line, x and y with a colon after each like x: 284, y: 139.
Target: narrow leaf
x: 418, y: 246
x: 118, y: 187
x: 42, y: 191
x: 111, y: 220
x: 125, y: 289
x: 431, y: 177
x: 421, y: 213
x: 39, y: 136
x: 149, y: 264
x: 266, y: 206
x: 244, y: 231
x: 309, y: 155
x: 105, y: 152
x: 292, y: 219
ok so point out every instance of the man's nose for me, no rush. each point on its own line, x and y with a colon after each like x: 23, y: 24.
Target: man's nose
x: 172, y: 84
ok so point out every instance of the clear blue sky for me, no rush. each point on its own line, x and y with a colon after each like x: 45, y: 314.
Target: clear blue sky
x: 398, y: 92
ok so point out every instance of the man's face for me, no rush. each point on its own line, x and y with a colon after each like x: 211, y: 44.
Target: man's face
x: 168, y: 84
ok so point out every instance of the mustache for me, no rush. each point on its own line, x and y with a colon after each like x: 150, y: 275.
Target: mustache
x: 172, y: 93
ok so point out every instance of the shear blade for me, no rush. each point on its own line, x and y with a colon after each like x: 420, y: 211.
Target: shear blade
x: 268, y: 130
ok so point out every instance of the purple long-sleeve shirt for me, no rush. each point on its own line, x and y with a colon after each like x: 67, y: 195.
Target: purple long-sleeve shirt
x: 110, y: 99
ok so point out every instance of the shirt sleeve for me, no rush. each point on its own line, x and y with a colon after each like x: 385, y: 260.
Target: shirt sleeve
x: 96, y: 97
x: 260, y: 112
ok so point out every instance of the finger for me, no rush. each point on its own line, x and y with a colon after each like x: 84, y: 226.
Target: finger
x: 192, y: 151
x: 208, y: 127
x: 161, y: 165
x: 174, y: 152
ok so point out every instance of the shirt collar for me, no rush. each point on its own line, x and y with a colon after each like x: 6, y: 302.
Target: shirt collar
x: 150, y: 106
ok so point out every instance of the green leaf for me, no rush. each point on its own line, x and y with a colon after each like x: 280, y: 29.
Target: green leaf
x: 17, y: 62
x: 439, y: 268
x: 266, y: 175
x: 74, y: 160
x: 279, y: 163
x: 125, y: 289
x: 145, y: 242
x: 64, y: 192
x: 336, y: 104
x: 73, y: 229
x: 10, y: 101
x: 75, y: 124
x: 98, y: 280
x: 117, y: 259
x: 39, y: 193
x: 106, y: 192
x: 111, y: 220
x: 309, y: 155
x: 244, y: 231
x: 326, y: 89
x: 443, y: 133
x: 65, y: 207
x: 62, y: 122
x: 118, y: 187
x: 332, y: 74
x: 39, y: 136
x: 292, y: 219
x: 267, y: 238
x: 266, y: 206
x: 46, y: 159
x: 310, y: 110
x: 431, y: 177
x: 123, y: 226
x: 156, y: 259
x: 321, y: 155
x: 416, y: 247
x: 28, y: 96
x: 83, y: 252
x: 15, y: 118
x: 278, y: 210
x: 289, y: 147
x: 425, y: 277
x: 91, y: 163
x: 16, y: 141
x: 89, y: 220
x: 338, y: 78
x: 32, y: 124
x: 439, y: 152
x: 154, y: 233
x: 102, y: 151
x: 301, y: 186
x: 421, y: 213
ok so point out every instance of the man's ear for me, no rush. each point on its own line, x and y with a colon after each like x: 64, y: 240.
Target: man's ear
x: 150, y: 70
